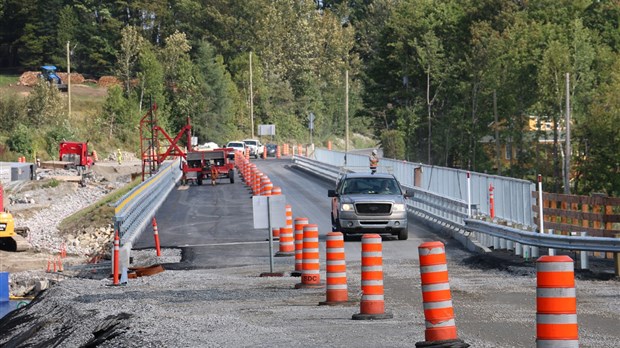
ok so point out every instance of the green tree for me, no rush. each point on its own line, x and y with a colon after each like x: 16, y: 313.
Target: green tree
x: 393, y: 144
x: 216, y: 122
x: 116, y: 115
x: 45, y: 105
x: 598, y: 156
x: 127, y: 57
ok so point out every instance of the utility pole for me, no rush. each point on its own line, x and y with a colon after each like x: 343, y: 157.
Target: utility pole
x: 69, y: 75
x: 251, y: 98
x: 567, y: 151
x: 497, y: 146
x: 346, y: 116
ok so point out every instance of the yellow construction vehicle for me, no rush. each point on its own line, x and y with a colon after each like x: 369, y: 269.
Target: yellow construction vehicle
x: 11, y: 238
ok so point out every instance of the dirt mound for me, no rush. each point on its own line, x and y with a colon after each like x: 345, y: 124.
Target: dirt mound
x: 107, y: 81
x: 75, y: 78
x: 29, y: 78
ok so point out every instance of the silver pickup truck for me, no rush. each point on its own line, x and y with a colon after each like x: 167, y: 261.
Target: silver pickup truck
x: 369, y: 203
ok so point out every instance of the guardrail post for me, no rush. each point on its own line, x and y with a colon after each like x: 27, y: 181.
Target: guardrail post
x: 617, y: 260
x: 518, y: 249
x: 551, y: 251
x: 583, y: 255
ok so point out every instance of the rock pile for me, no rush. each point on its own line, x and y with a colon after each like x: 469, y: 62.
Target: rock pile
x: 53, y: 204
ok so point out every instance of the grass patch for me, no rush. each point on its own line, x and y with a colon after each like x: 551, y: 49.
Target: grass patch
x: 97, y: 214
x: 6, y: 80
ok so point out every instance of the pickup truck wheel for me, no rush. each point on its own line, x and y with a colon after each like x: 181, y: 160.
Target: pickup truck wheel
x: 403, y: 234
x: 231, y: 175
x: 335, y: 225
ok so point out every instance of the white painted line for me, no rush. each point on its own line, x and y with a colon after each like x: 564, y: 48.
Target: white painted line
x: 215, y: 244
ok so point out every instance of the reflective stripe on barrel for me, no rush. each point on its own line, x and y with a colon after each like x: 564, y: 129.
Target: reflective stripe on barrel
x: 556, y: 303
x: 288, y: 211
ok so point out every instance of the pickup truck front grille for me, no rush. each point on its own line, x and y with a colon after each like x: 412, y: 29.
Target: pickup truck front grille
x: 373, y: 208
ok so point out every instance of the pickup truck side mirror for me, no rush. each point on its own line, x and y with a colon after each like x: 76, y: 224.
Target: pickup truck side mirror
x: 408, y: 193
x: 331, y: 193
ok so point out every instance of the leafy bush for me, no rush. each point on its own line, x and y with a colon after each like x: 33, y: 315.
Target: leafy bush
x: 20, y: 141
x: 58, y: 134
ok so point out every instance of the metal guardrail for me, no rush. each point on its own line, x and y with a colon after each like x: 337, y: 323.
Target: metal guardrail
x: 454, y: 212
x: 543, y: 239
x: 133, y: 211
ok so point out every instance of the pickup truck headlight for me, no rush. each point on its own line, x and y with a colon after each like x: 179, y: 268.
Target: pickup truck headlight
x: 399, y: 207
x: 346, y: 207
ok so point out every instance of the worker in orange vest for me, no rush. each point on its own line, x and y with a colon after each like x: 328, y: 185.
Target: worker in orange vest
x: 374, y: 161
x: 214, y: 174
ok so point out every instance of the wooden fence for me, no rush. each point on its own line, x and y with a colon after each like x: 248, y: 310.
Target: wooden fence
x: 597, y: 215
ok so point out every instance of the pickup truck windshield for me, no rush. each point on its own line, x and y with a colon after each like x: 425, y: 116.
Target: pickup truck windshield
x: 370, y: 186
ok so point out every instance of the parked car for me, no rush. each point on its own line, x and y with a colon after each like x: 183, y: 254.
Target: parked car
x: 237, y: 146
x: 255, y: 146
x: 271, y: 149
x: 369, y: 203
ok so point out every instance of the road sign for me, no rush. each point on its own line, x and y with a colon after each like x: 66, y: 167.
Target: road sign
x: 266, y: 129
x: 269, y: 207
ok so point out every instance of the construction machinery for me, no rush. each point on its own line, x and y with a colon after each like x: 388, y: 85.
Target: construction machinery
x: 11, y: 238
x: 48, y: 73
x: 75, y: 154
x: 201, y: 165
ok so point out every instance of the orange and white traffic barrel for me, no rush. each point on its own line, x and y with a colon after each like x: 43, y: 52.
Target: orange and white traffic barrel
x: 275, y: 233
x: 300, y: 222
x: 267, y: 188
x: 336, y: 291
x: 288, y: 214
x: 256, y: 182
x: 372, y: 305
x: 436, y: 296
x: 264, y: 180
x: 276, y: 191
x: 287, y: 242
x: 556, y: 303
x: 311, y: 265
x: 278, y: 152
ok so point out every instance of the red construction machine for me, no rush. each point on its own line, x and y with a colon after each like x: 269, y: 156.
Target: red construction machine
x: 76, y: 153
x: 202, y: 165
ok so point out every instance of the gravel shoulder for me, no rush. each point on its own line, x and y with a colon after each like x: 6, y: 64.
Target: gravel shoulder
x: 42, y: 205
x: 235, y: 307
